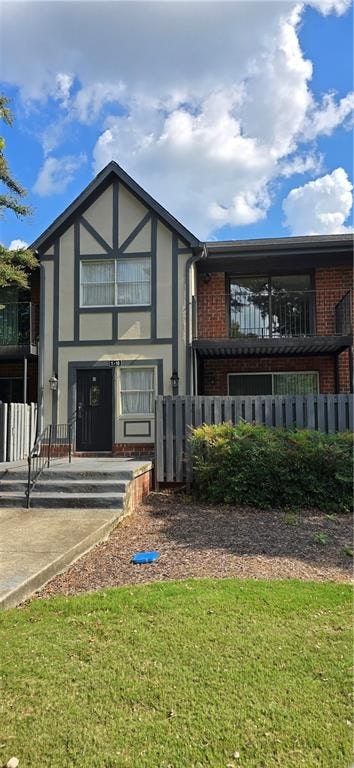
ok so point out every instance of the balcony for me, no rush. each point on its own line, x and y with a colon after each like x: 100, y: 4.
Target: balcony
x: 18, y: 330
x: 272, y: 322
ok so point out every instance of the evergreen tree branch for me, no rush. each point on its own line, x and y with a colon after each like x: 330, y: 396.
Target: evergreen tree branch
x: 5, y: 111
x: 6, y: 178
x: 15, y: 265
x: 6, y: 201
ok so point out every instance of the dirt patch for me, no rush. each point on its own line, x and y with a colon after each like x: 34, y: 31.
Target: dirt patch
x: 199, y: 540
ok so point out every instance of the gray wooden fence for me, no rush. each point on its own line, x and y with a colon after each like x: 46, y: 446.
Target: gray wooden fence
x: 175, y: 416
x: 18, y: 425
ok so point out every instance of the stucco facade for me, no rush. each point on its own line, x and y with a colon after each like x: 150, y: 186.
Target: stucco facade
x: 117, y: 227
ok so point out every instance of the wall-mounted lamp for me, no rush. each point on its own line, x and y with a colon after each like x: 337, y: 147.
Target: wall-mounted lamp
x: 206, y: 277
x: 53, y: 382
x: 174, y: 381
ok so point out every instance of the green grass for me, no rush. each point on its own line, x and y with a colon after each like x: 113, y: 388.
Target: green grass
x: 180, y: 675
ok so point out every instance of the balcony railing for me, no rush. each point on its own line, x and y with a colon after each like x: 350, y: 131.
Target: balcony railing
x: 271, y: 315
x: 343, y: 315
x: 267, y: 315
x: 17, y: 324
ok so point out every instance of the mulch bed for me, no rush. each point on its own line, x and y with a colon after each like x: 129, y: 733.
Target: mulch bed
x: 200, y: 540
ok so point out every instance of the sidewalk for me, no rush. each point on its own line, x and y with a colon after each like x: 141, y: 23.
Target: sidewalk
x: 37, y: 544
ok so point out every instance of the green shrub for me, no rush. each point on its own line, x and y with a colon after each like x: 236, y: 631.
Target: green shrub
x: 265, y: 467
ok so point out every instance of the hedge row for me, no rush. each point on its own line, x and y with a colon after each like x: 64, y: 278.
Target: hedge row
x: 266, y: 467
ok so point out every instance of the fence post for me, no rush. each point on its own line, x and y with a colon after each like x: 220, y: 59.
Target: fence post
x: 159, y: 452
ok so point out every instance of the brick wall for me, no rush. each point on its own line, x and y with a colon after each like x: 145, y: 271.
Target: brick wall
x: 331, y: 283
x: 212, y: 309
x: 215, y: 371
x: 138, y: 450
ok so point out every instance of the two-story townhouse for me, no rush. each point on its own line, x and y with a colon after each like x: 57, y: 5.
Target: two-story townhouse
x: 113, y: 331
x: 19, y: 333
x: 134, y: 305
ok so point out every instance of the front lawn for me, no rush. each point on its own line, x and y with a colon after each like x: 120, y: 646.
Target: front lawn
x: 180, y: 675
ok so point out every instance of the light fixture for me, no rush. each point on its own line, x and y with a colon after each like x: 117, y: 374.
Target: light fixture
x: 174, y: 381
x: 206, y: 277
x: 53, y: 382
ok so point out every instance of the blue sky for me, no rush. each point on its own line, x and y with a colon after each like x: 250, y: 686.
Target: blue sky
x: 235, y: 116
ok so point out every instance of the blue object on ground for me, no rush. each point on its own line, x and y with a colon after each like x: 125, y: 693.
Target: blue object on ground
x: 140, y: 558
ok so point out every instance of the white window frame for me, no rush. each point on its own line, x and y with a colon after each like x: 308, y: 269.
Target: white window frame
x: 128, y: 416
x: 97, y: 261
x: 272, y: 374
x: 115, y: 261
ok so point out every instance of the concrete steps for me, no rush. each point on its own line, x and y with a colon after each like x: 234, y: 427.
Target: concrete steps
x: 85, y: 483
x: 68, y: 500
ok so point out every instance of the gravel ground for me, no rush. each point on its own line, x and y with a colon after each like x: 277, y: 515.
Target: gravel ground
x: 200, y: 540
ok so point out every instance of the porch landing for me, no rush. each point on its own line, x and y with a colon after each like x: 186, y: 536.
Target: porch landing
x: 74, y: 507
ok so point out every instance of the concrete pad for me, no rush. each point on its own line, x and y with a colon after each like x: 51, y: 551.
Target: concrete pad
x: 36, y: 545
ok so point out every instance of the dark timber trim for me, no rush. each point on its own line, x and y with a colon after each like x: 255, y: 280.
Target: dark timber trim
x: 137, y: 421
x: 116, y: 343
x: 153, y: 278
x: 55, y: 358
x: 76, y: 281
x: 145, y: 220
x: 115, y: 326
x: 106, y: 308
x: 41, y: 348
x: 96, y: 235
x: 175, y: 314
x: 115, y: 214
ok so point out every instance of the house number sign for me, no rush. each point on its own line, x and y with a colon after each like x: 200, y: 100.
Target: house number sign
x: 115, y: 363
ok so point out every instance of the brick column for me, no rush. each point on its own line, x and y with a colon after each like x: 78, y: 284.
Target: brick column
x: 212, y: 307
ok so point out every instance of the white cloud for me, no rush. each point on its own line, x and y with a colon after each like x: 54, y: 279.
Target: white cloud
x: 320, y: 207
x: 300, y: 164
x: 17, y: 245
x: 89, y: 100
x: 330, y: 6
x: 212, y: 106
x: 63, y: 83
x: 324, y: 119
x: 57, y: 173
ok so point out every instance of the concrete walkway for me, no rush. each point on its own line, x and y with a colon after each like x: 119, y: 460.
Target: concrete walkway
x: 77, y: 505
x: 37, y: 544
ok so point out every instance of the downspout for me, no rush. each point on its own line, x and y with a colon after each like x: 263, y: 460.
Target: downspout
x: 200, y: 252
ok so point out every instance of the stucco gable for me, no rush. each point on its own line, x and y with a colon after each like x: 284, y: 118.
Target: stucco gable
x: 91, y: 202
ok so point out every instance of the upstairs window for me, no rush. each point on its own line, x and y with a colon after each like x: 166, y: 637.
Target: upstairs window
x: 134, y: 282
x: 97, y: 283
x: 119, y: 282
